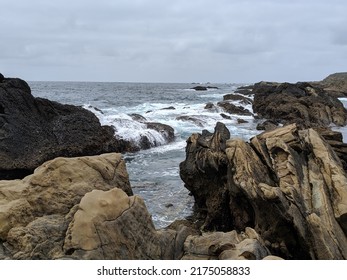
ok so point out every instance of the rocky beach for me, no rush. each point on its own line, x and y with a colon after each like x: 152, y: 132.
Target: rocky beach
x: 65, y: 191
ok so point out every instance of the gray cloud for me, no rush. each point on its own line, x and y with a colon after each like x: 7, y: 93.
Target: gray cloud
x: 206, y: 40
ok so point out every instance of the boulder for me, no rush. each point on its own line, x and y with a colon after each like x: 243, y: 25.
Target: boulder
x: 300, y: 103
x: 287, y: 184
x: 192, y: 119
x: 34, y: 130
x: 36, y: 211
x: 234, y: 109
x: 267, y: 125
x: 237, y: 97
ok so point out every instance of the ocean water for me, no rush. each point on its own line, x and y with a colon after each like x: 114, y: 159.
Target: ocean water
x: 153, y: 173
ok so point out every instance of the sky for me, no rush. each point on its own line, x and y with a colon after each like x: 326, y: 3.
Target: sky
x: 240, y: 41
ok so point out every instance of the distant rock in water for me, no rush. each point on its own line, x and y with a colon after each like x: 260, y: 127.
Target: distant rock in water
x: 201, y: 88
x: 287, y: 184
x: 234, y: 109
x: 301, y: 103
x: 34, y: 130
x: 237, y: 97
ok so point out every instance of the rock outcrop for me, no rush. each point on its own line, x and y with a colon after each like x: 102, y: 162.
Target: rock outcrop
x: 301, y: 103
x: 288, y: 184
x: 34, y: 130
x: 83, y: 208
x: 335, y: 84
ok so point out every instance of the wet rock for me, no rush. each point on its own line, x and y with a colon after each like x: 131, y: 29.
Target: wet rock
x: 240, y: 121
x: 138, y: 118
x: 224, y: 116
x: 192, y: 119
x: 169, y: 108
x: 237, y: 97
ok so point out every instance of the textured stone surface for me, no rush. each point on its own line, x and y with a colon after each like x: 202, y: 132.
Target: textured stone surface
x: 288, y: 184
x: 34, y: 130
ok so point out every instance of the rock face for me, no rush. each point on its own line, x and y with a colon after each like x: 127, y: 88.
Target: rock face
x: 335, y: 84
x: 36, y: 212
x: 34, y: 130
x: 300, y: 103
x: 288, y: 184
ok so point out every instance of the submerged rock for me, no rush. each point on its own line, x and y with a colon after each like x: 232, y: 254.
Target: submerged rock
x: 288, y: 184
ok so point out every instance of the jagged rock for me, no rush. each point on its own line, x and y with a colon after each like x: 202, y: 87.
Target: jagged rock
x: 288, y: 184
x: 34, y: 130
x: 234, y: 109
x: 300, y: 103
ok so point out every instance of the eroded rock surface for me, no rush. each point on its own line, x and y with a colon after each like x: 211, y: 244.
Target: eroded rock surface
x: 288, y: 184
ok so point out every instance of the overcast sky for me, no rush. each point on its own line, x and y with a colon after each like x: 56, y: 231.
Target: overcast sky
x: 173, y: 41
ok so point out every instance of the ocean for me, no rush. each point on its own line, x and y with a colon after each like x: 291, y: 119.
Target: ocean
x: 153, y: 173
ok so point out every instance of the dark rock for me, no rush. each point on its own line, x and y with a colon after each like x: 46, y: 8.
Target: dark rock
x: 165, y: 130
x: 169, y: 108
x: 267, y: 125
x: 246, y: 90
x: 1, y: 78
x: 138, y: 118
x: 233, y: 109
x: 201, y: 88
x: 34, y: 130
x: 209, y: 105
x: 237, y: 97
x: 299, y: 103
x: 224, y: 116
x: 192, y: 119
x: 239, y: 121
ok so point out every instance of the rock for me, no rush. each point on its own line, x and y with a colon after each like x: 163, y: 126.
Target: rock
x: 288, y: 184
x: 239, y: 121
x: 233, y: 109
x: 335, y: 84
x: 237, y: 97
x: 202, y: 88
x: 169, y: 108
x: 165, y: 130
x: 35, y: 212
x: 245, y: 90
x: 224, y: 116
x: 111, y: 225
x: 192, y: 119
x: 267, y: 125
x: 34, y: 130
x: 1, y: 78
x: 209, y: 105
x: 138, y: 118
x: 225, y: 246
x: 300, y: 103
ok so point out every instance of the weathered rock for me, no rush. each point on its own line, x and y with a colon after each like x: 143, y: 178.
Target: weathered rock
x: 1, y: 78
x: 246, y: 90
x: 335, y: 84
x: 288, y: 184
x: 231, y: 245
x: 34, y: 130
x: 234, y: 109
x: 165, y: 130
x: 300, y: 103
x: 36, y: 211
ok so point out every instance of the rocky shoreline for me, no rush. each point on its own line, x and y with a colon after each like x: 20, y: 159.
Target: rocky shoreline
x: 283, y: 194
